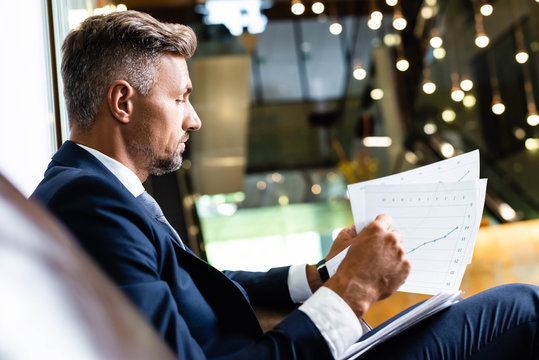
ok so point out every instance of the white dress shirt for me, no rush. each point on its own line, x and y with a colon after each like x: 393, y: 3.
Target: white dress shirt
x: 336, y: 321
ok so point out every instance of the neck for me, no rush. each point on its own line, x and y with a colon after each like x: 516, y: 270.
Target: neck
x: 112, y: 143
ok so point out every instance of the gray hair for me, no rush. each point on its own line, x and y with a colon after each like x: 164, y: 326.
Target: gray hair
x: 124, y: 45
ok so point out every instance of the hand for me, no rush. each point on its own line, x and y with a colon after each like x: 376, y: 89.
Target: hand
x: 374, y: 268
x: 342, y: 241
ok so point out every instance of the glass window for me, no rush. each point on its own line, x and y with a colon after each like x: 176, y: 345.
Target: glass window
x: 277, y: 59
x: 324, y: 60
x: 281, y: 218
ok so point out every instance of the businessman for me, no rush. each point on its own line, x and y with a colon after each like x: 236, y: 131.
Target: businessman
x: 127, y: 88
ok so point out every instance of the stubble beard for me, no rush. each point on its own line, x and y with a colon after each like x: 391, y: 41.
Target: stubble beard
x: 160, y: 166
x: 155, y: 164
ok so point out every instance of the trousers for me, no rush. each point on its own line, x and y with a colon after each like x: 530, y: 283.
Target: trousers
x: 500, y: 323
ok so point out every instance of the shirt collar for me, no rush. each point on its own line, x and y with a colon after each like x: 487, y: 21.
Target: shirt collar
x: 122, y: 172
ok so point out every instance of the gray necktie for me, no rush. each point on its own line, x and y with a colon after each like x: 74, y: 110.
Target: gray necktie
x: 154, y: 209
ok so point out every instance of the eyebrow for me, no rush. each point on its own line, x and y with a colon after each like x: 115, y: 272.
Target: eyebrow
x: 188, y: 89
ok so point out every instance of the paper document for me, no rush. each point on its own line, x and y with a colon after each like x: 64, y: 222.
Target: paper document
x: 437, y: 208
x: 422, y: 311
x: 438, y: 223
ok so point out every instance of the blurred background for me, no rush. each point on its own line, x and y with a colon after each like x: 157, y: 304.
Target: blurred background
x: 300, y: 98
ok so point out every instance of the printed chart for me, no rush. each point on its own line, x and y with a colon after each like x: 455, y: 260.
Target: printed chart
x: 437, y: 208
x: 438, y: 223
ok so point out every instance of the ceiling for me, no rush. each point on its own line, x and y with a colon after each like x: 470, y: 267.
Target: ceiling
x: 183, y: 10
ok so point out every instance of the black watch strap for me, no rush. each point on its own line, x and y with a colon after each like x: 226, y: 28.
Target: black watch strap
x: 322, y: 270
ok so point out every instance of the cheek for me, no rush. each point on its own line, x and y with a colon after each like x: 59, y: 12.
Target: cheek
x: 174, y: 123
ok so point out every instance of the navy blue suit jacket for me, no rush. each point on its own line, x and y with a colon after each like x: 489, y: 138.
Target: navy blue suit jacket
x: 199, y: 311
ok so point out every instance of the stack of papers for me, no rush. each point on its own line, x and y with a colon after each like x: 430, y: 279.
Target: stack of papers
x: 422, y: 311
x: 437, y: 208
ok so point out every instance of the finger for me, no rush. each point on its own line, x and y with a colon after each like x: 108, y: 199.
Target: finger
x: 398, y: 235
x: 384, y: 220
x: 394, y: 239
x: 350, y: 231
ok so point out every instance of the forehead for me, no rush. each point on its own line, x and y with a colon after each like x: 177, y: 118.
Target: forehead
x: 173, y: 72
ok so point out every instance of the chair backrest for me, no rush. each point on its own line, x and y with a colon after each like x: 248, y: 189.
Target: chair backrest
x: 54, y: 302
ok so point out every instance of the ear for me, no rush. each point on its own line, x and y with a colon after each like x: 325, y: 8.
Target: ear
x: 120, y: 100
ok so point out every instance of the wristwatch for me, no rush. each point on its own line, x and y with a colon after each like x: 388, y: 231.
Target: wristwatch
x: 322, y: 270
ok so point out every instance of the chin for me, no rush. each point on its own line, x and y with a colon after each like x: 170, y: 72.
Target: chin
x: 165, y: 166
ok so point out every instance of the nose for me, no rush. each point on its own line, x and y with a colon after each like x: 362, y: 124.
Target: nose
x: 192, y: 121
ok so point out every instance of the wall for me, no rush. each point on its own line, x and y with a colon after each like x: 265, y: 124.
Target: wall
x: 26, y: 112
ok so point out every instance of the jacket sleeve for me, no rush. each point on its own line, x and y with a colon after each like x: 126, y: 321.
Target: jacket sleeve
x: 265, y: 288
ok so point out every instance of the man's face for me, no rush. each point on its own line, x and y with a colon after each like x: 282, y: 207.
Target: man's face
x: 163, y: 119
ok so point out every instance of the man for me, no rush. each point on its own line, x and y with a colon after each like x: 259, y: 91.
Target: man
x: 127, y: 91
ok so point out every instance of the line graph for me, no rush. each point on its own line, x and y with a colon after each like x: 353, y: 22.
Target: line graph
x: 463, y: 176
x: 436, y: 222
x: 432, y: 241
x: 445, y: 197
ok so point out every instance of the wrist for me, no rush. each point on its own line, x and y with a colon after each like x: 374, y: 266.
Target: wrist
x: 313, y: 278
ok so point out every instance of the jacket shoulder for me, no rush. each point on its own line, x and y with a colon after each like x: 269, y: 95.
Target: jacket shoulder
x: 64, y: 180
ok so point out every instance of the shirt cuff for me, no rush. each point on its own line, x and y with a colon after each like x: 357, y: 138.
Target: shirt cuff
x: 336, y: 321
x: 298, y: 286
